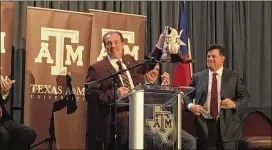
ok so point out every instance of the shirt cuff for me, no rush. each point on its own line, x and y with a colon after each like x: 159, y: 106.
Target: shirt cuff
x: 189, y: 106
x: 5, y: 96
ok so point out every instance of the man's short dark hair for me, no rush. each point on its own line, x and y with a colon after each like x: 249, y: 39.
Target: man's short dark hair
x: 113, y: 32
x: 221, y: 48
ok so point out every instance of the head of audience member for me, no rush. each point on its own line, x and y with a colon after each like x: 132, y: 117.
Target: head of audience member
x: 114, y: 44
x: 152, y: 75
x: 215, y: 57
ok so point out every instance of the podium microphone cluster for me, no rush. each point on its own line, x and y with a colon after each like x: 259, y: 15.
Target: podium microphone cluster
x: 152, y: 59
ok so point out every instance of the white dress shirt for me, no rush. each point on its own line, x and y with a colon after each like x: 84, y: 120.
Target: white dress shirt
x: 116, y: 67
x: 207, y: 104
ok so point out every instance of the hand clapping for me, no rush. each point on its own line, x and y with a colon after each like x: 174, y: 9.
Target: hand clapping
x: 6, y: 84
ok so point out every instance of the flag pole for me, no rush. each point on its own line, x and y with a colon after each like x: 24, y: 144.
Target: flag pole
x: 189, y: 48
x: 190, y: 56
x: 177, y: 14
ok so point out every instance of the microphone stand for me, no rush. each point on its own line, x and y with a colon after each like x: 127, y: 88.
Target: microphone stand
x: 50, y: 140
x: 68, y: 101
x: 114, y: 78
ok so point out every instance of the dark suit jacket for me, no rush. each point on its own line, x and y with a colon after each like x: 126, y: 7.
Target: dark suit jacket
x: 5, y: 114
x: 233, y: 87
x: 100, y: 95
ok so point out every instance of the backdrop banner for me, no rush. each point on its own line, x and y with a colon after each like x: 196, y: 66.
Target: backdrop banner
x: 57, y: 45
x: 6, y: 41
x: 6, y: 37
x: 132, y: 27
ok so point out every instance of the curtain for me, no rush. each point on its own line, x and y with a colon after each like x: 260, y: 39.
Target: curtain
x: 159, y: 14
x: 244, y: 28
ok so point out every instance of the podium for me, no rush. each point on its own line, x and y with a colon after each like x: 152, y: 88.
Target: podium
x: 154, y: 116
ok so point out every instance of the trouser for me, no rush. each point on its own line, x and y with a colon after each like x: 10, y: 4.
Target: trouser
x: 14, y: 136
x: 214, y: 139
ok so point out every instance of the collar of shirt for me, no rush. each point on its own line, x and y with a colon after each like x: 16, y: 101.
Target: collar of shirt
x: 146, y: 82
x: 114, y: 62
x: 219, y: 72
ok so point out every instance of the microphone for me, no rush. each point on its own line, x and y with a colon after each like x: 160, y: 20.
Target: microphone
x: 71, y: 105
x: 152, y: 59
x: 68, y: 81
x: 175, y: 58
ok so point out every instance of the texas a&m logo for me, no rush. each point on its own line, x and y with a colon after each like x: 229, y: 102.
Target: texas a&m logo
x: 129, y: 35
x: 162, y: 123
x: 60, y: 60
x: 3, y: 50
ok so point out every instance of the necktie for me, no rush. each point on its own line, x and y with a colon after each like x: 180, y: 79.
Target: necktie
x: 124, y: 76
x: 214, y: 98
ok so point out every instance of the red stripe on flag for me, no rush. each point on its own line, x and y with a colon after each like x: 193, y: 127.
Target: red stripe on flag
x: 182, y: 75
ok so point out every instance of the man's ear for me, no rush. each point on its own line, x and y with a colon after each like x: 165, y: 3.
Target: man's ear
x: 123, y: 46
x: 223, y: 58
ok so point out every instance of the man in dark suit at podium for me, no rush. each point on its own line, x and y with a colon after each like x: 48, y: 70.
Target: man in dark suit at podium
x: 100, y: 95
x: 13, y: 136
x: 219, y: 93
x: 188, y: 141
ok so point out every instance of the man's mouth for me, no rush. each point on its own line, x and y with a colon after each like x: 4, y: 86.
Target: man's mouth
x: 153, y: 75
x: 113, y: 50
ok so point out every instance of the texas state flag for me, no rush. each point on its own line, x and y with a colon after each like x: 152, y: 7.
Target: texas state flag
x: 183, y: 72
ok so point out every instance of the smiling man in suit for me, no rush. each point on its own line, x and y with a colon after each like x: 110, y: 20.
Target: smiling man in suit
x: 13, y: 136
x: 99, y: 95
x: 219, y: 94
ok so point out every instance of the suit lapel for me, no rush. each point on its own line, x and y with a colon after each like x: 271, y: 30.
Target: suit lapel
x: 111, y: 70
x: 205, y: 79
x: 127, y: 64
x: 224, y: 79
x: 109, y: 67
x: 132, y: 74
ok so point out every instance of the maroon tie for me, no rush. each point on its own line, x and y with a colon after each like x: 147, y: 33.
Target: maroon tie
x: 124, y: 76
x: 214, y: 98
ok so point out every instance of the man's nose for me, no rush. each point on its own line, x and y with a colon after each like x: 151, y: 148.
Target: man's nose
x: 113, y: 45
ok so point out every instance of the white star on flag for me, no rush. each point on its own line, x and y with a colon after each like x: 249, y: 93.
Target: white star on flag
x: 181, y: 42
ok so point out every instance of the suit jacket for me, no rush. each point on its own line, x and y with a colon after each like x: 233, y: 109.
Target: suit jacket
x: 99, y: 97
x: 5, y: 114
x: 233, y: 87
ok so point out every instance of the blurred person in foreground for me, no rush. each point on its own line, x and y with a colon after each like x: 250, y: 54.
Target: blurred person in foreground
x: 13, y: 136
